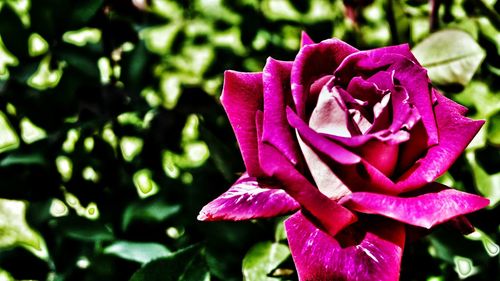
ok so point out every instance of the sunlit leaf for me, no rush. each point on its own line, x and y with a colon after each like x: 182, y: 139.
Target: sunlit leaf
x: 45, y: 77
x: 144, y: 183
x: 15, y: 231
x: 261, y: 259
x: 8, y: 138
x: 83, y: 36
x: 6, y: 59
x: 480, y: 95
x: 37, y: 45
x: 489, y: 245
x: 30, y: 132
x: 450, y: 56
x: 488, y: 185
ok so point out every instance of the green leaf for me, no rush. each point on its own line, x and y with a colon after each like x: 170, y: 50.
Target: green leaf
x: 137, y: 251
x: 494, y: 129
x: 85, y: 10
x: 85, y: 230
x: 479, y: 95
x: 186, y: 264
x: 154, y: 210
x: 279, y: 232
x: 488, y: 185
x: 261, y: 259
x: 22, y: 159
x: 450, y: 56
x: 14, y: 230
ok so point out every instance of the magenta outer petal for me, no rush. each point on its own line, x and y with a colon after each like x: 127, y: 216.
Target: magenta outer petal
x: 455, y: 133
x: 427, y: 210
x: 241, y: 97
x: 320, y: 257
x: 305, y: 39
x: 313, y: 62
x: 276, y: 77
x: 331, y: 216
x: 249, y: 198
x: 415, y: 80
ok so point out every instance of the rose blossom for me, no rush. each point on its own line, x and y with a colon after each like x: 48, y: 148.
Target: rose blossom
x: 351, y: 142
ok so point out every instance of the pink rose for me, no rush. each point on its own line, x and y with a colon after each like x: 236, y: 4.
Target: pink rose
x: 351, y: 142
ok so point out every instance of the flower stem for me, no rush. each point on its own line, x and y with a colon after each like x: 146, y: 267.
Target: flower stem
x: 391, y: 18
x: 434, y: 17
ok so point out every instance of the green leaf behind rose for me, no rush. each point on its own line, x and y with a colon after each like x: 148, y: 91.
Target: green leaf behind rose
x: 451, y: 57
x: 261, y: 259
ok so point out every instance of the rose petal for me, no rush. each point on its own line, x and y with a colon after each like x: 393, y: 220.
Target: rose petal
x: 366, y: 90
x: 415, y: 80
x: 330, y: 115
x: 276, y: 77
x: 313, y: 62
x: 337, y: 152
x: 413, y: 149
x: 241, y: 98
x: 382, y: 112
x: 330, y: 216
x: 407, y: 72
x: 326, y: 180
x: 320, y: 257
x: 356, y: 173
x: 366, y: 63
x: 381, y: 155
x: 305, y: 39
x: 438, y: 205
x: 249, y: 198
x: 455, y: 133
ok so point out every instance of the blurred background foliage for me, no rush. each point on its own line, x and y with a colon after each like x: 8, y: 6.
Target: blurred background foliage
x: 112, y: 136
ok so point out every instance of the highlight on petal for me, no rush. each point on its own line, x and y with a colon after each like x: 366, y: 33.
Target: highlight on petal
x: 249, y: 198
x: 242, y: 96
x: 455, y: 133
x: 438, y: 205
x: 368, y: 250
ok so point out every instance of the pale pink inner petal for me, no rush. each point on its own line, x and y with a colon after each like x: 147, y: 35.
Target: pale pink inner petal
x: 330, y: 115
x: 358, y: 119
x: 326, y: 181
